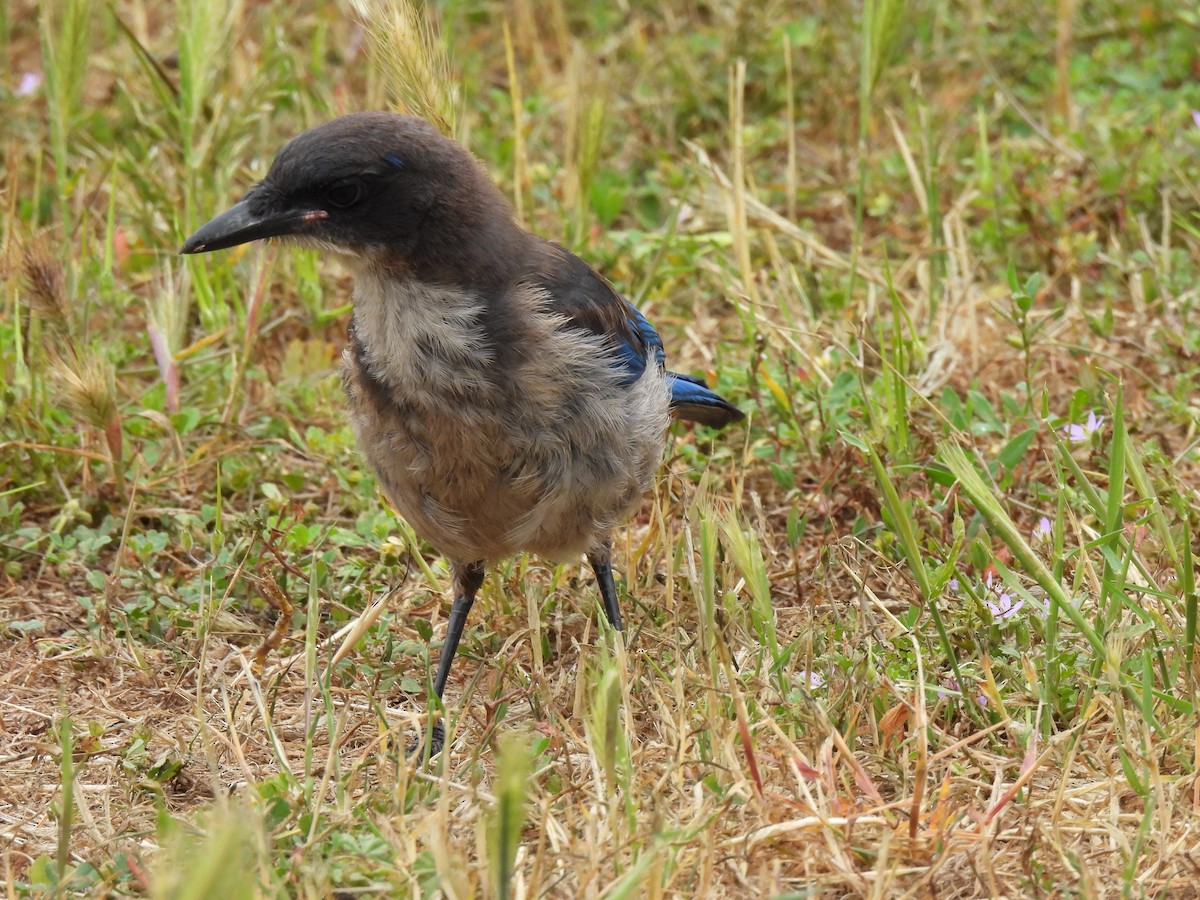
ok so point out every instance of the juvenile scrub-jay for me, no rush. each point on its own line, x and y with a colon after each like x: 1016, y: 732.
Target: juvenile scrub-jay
x: 506, y: 395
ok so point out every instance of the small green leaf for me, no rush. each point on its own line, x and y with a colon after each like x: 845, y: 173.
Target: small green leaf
x: 1014, y: 451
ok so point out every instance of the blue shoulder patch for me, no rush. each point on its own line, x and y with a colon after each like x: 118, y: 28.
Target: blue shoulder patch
x: 691, y: 398
x: 633, y: 357
x: 591, y: 304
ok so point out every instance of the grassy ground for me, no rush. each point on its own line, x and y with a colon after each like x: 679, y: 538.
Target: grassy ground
x: 924, y: 626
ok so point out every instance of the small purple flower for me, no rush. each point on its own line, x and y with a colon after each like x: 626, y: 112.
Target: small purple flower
x: 953, y: 585
x: 1004, y: 608
x: 1196, y: 117
x: 1079, y: 433
x: 949, y: 686
x: 982, y: 700
x: 1043, y: 530
x: 30, y: 82
x: 811, y: 680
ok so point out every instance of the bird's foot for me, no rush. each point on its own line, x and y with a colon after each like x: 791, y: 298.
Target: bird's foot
x: 425, y: 750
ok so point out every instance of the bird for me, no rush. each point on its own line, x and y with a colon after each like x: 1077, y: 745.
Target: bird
x: 507, y: 397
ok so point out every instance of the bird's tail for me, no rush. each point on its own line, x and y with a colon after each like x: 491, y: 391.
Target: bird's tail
x: 693, y: 401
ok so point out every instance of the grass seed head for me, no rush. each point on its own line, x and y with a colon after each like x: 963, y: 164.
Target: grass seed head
x: 86, y: 385
x: 409, y: 53
x: 45, y: 287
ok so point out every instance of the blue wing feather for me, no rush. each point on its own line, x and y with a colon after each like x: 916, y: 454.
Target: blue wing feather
x: 592, y: 304
x: 691, y: 398
x: 634, y: 354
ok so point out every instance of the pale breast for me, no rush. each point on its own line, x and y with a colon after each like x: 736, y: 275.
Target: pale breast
x: 547, y: 453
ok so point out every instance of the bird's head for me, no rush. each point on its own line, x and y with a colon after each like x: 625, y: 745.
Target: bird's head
x: 366, y: 185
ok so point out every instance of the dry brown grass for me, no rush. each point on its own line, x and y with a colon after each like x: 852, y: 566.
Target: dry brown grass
x: 716, y: 805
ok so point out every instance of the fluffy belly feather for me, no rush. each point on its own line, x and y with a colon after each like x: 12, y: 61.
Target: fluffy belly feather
x: 483, y: 483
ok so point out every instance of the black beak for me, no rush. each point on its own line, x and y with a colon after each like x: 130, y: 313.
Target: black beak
x: 238, y: 225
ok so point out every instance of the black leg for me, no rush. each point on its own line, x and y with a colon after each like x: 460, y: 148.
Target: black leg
x: 467, y: 581
x: 602, y: 566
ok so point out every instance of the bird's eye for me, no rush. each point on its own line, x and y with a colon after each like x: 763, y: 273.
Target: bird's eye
x: 344, y: 194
